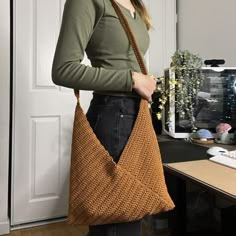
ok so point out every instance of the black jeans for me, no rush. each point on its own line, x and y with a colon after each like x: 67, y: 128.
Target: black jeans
x: 112, y: 119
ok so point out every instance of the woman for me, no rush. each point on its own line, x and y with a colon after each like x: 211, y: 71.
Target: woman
x: 92, y: 26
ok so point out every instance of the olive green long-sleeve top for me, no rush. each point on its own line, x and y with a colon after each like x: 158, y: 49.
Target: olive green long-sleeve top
x: 92, y: 26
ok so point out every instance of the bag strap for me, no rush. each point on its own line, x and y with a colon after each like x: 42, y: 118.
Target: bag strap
x: 130, y: 36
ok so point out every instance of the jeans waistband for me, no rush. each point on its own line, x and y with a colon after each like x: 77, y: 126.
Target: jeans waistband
x: 119, y: 94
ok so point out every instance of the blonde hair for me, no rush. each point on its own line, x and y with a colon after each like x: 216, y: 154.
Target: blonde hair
x: 142, y: 10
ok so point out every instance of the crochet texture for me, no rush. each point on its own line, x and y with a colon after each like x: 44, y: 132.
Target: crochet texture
x: 102, y: 191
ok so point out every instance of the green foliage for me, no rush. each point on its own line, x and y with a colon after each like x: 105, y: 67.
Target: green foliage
x: 184, y: 59
x: 185, y: 86
x: 189, y: 78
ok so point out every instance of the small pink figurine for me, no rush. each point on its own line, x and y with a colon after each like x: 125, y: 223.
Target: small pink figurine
x: 222, y: 134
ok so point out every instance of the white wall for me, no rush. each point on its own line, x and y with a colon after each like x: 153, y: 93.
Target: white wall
x: 4, y: 111
x: 208, y: 28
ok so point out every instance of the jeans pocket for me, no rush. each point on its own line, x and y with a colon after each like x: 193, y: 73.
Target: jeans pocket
x: 125, y: 127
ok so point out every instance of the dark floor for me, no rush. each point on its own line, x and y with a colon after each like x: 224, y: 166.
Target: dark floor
x: 62, y: 229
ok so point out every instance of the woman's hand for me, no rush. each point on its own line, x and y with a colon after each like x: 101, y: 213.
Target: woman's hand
x: 144, y: 85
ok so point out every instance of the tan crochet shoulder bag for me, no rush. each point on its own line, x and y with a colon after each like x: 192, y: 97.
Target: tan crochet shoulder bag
x: 102, y: 191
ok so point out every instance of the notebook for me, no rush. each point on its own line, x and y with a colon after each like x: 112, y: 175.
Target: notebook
x: 227, y: 159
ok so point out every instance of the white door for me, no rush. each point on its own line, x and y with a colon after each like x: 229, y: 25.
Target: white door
x: 42, y: 116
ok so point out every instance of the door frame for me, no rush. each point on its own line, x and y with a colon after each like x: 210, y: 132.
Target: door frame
x: 4, y: 113
x: 163, y: 35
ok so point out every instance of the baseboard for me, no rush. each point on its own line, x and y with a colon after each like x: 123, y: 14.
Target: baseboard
x: 38, y: 223
x: 4, y: 227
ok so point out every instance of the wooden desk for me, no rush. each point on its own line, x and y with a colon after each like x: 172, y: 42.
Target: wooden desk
x: 213, y: 176
x: 216, y: 178
x: 183, y: 163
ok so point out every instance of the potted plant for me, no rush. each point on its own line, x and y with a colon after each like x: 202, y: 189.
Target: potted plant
x: 183, y: 86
